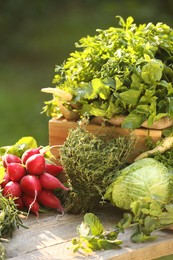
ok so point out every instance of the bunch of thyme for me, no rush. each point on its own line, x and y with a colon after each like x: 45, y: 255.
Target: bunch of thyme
x: 91, y: 162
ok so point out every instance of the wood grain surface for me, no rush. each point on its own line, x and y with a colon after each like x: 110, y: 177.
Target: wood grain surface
x: 49, y: 238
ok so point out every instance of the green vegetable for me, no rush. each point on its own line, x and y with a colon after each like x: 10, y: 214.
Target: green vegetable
x: 20, y: 146
x: 144, y: 188
x: 10, y: 219
x: 146, y: 178
x: 124, y: 70
x: 92, y: 236
x: 146, y: 215
x: 2, y: 252
x: 23, y: 144
x: 91, y: 162
x: 9, y: 216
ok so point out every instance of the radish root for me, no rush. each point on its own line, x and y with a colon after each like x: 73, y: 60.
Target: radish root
x: 29, y: 209
x: 166, y: 144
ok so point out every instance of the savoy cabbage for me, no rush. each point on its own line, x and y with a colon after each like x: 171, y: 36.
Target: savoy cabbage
x: 146, y: 178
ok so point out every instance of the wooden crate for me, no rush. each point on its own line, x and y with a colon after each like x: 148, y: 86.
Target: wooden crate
x: 58, y: 132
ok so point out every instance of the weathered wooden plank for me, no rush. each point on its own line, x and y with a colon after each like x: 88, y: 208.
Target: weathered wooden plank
x: 49, y: 238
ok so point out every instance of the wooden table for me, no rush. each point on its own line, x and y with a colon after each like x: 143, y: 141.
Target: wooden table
x: 49, y: 237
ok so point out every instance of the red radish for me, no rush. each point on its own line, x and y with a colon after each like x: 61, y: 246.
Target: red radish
x: 10, y: 158
x: 48, y: 199
x: 6, y: 179
x: 36, y: 164
x: 53, y: 169
x: 50, y: 182
x: 29, y: 153
x: 19, y: 203
x: 12, y: 189
x: 16, y: 171
x: 30, y: 185
x: 31, y: 204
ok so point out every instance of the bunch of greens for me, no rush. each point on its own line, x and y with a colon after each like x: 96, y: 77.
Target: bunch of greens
x: 126, y: 70
x: 144, y: 191
x: 91, y: 162
x: 143, y: 188
x: 93, y: 236
x: 23, y: 144
x: 10, y: 219
x: 10, y: 216
x: 19, y: 147
x: 145, y: 217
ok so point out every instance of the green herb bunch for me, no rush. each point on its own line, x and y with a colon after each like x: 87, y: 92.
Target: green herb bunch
x: 91, y: 162
x: 145, y: 217
x: 10, y: 217
x: 124, y: 70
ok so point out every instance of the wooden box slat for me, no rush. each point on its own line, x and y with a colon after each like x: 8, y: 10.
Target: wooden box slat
x: 59, y: 129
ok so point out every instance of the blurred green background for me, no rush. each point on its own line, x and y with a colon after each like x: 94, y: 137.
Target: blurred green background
x: 37, y: 35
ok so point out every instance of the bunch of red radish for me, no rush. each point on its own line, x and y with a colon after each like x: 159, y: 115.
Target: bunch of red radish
x: 31, y: 181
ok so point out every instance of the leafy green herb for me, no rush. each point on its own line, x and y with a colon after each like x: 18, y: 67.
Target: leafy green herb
x: 20, y: 146
x: 146, y: 216
x: 9, y: 216
x: 92, y: 236
x: 2, y: 252
x: 120, y: 70
x: 23, y: 144
x: 91, y: 162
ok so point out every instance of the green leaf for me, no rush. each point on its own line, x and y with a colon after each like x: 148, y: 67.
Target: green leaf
x: 125, y: 222
x: 22, y: 145
x: 84, y: 91
x: 119, y: 83
x: 166, y: 217
x: 136, y: 208
x: 4, y: 149
x: 169, y: 208
x: 141, y: 238
x: 121, y: 21
x: 152, y: 71
x: 96, y: 108
x: 111, y: 234
x: 100, y: 88
x: 108, y: 244
x: 170, y: 106
x: 94, y: 223
x: 149, y: 225
x: 130, y: 97
x: 129, y: 21
x: 93, y: 237
x: 155, y: 208
x: 133, y: 120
